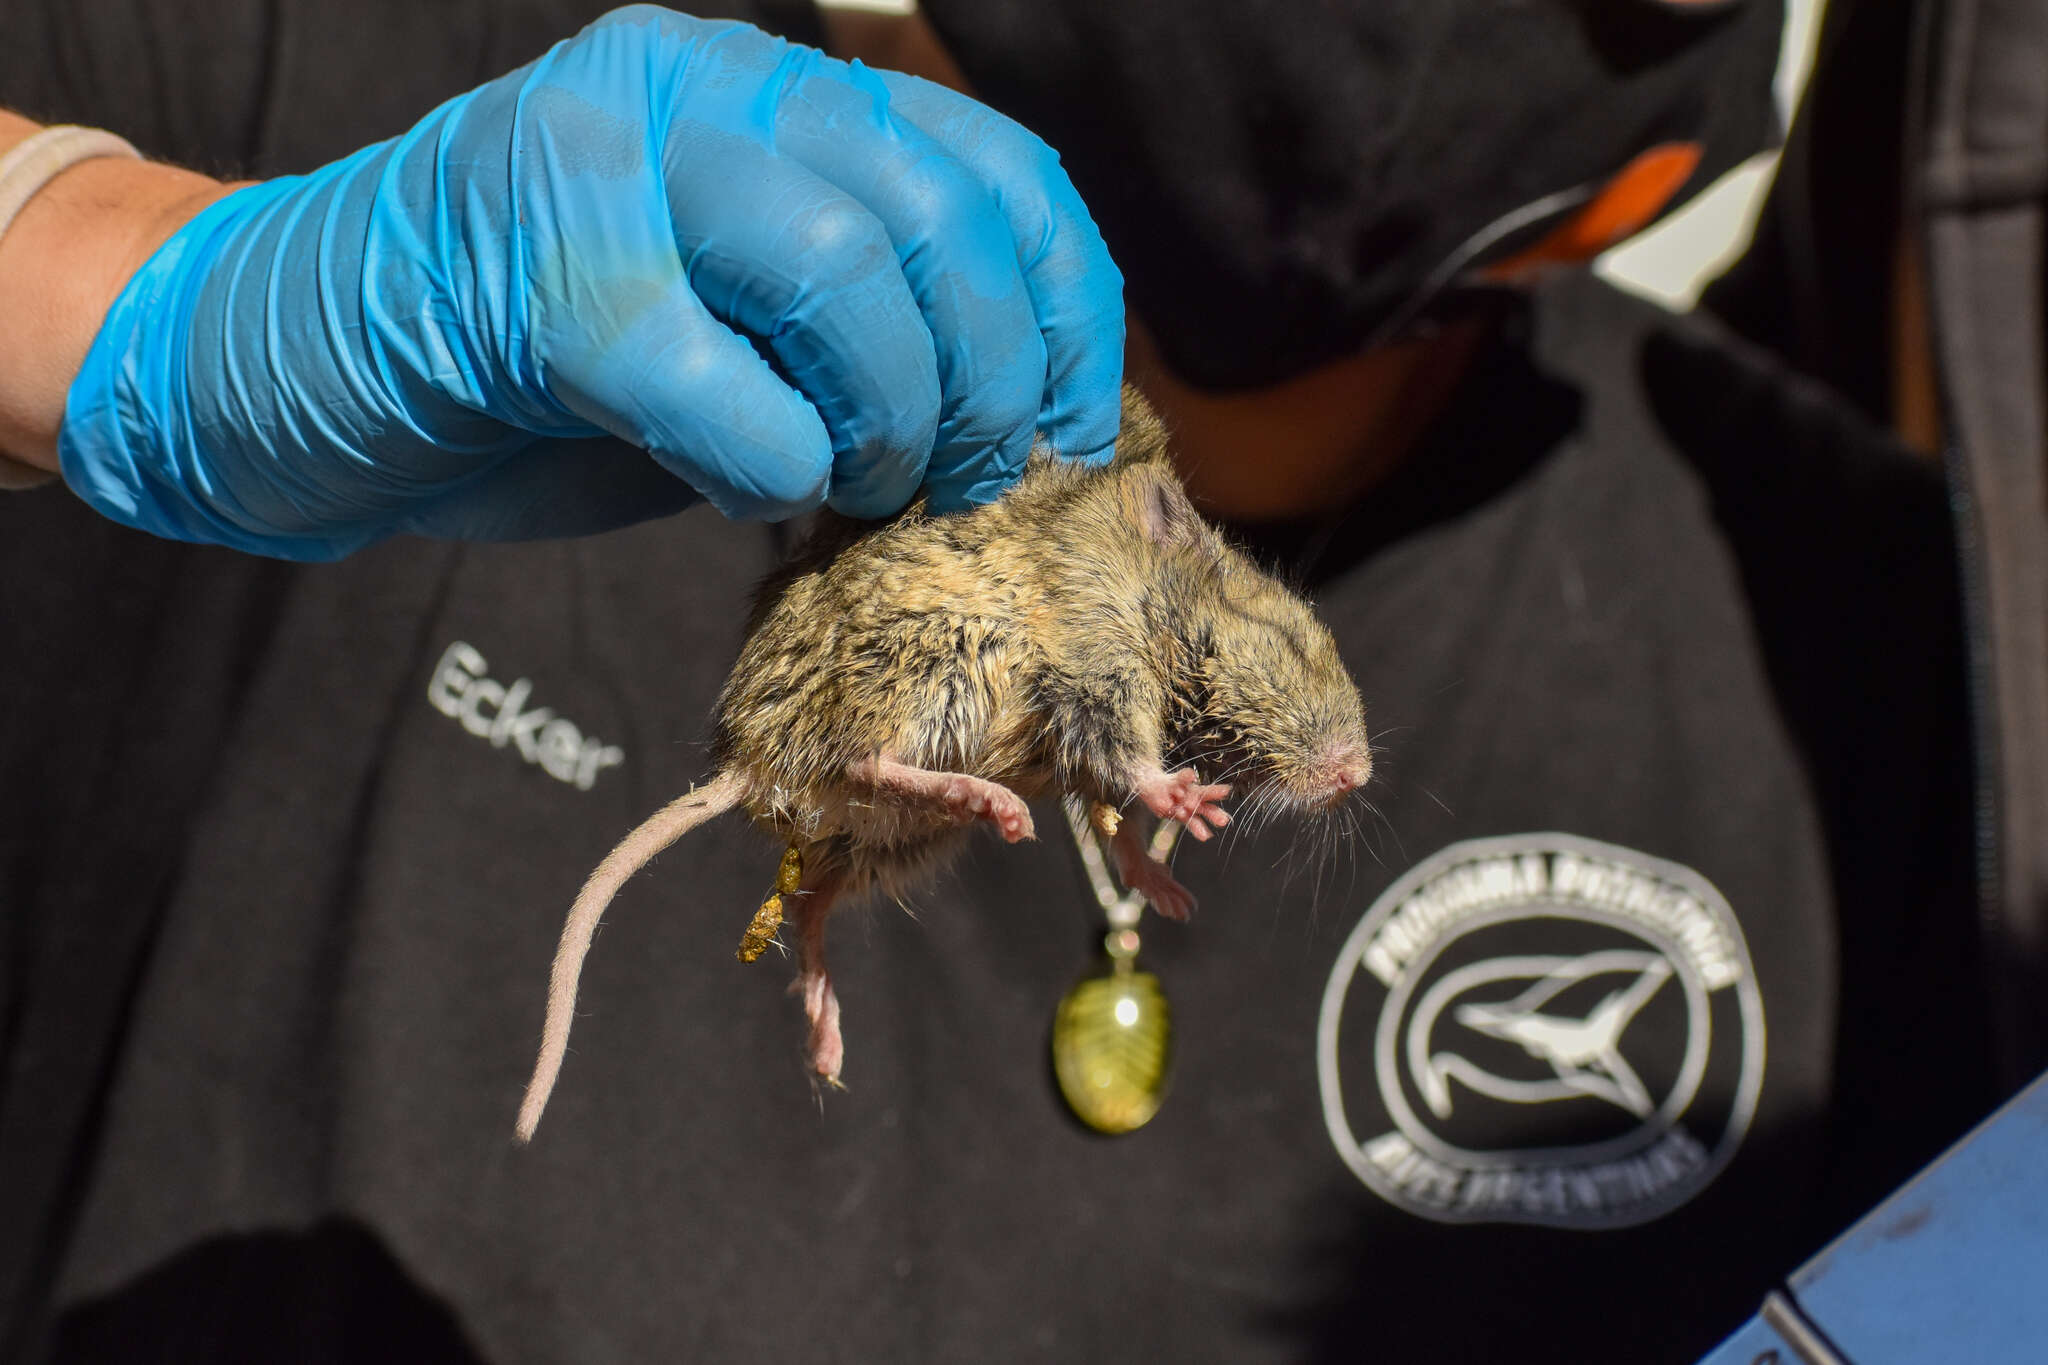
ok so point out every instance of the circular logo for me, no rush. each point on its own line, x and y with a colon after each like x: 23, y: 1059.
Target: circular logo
x: 1542, y: 1029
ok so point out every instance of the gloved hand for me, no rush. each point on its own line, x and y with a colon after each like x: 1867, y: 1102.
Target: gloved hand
x: 785, y: 278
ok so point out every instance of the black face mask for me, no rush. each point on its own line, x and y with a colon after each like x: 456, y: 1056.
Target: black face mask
x: 1285, y: 183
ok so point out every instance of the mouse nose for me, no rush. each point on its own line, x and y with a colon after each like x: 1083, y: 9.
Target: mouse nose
x: 1349, y: 778
x: 1347, y: 771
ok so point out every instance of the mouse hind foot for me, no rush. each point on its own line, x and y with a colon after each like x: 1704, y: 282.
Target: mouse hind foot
x: 964, y: 797
x: 825, y: 1047
x: 1140, y: 872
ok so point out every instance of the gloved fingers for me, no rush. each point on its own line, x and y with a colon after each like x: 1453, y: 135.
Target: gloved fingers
x: 1076, y: 289
x: 677, y: 383
x: 959, y: 260
x: 796, y: 263
x: 558, y: 486
x: 646, y: 172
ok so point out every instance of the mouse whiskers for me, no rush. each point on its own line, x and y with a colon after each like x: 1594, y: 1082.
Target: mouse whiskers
x: 1323, y: 845
x: 1261, y: 803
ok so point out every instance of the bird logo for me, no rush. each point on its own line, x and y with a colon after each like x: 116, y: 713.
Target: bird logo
x: 1583, y: 1051
x: 1541, y: 1028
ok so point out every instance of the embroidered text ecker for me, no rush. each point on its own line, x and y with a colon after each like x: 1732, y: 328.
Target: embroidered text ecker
x: 497, y: 712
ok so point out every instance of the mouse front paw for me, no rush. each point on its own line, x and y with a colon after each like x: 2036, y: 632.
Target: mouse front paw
x: 1183, y: 796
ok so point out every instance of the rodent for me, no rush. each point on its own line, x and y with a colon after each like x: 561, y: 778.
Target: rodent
x: 901, y: 681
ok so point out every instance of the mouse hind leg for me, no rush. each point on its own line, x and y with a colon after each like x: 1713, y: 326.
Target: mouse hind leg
x: 965, y: 797
x: 826, y: 1048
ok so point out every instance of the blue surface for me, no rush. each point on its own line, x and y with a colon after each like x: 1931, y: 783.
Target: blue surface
x: 1755, y: 1344
x: 1954, y: 1267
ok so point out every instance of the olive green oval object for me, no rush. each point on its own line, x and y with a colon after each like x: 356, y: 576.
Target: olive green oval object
x: 1112, y: 1041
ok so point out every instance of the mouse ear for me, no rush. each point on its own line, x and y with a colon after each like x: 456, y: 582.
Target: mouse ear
x: 1160, y: 508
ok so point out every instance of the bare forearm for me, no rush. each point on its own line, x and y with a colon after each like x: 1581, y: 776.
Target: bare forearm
x: 66, y: 257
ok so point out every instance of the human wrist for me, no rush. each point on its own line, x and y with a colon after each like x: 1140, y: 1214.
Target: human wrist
x: 63, y: 260
x: 143, y: 440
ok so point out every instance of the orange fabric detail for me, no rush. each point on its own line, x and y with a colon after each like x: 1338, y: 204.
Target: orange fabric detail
x: 1637, y: 194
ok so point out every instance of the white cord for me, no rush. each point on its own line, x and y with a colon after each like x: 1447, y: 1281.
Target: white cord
x: 1121, y: 909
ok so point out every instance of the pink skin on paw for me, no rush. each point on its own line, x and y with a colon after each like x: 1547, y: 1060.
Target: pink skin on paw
x: 966, y: 798
x: 974, y: 798
x: 1152, y: 880
x: 821, y: 1005
x: 1183, y: 796
x: 825, y: 1046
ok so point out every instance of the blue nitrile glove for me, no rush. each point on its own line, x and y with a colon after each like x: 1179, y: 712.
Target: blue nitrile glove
x: 788, y: 279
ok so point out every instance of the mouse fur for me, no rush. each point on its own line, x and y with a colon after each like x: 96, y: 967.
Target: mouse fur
x: 1086, y: 634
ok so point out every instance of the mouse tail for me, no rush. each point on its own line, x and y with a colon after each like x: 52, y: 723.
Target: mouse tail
x: 663, y: 828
